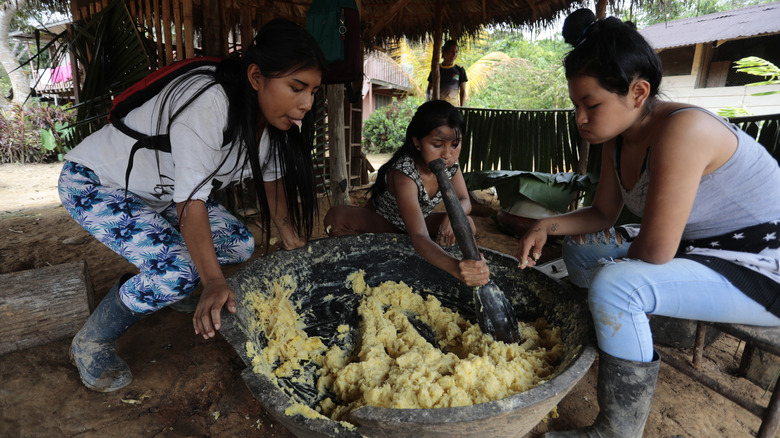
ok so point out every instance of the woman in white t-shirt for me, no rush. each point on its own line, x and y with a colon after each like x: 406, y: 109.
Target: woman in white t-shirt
x: 240, y: 119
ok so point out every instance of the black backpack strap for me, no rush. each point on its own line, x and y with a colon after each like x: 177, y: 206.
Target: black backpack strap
x: 155, y: 142
x: 160, y: 142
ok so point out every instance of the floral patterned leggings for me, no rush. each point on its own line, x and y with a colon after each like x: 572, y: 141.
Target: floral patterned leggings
x: 148, y: 239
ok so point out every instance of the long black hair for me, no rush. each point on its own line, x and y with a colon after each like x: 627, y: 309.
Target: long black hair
x: 428, y: 117
x: 279, y: 49
x: 610, y: 50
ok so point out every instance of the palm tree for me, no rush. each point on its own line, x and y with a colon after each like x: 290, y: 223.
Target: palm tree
x: 415, y: 60
x: 20, y: 83
x: 112, y: 52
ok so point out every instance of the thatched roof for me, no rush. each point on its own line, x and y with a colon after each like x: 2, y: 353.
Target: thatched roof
x: 384, y: 20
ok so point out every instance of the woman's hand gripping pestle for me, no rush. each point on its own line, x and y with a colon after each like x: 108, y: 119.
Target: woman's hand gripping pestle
x: 494, y: 312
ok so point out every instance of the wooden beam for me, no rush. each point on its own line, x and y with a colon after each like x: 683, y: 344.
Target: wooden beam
x: 337, y: 146
x: 166, y: 31
x: 148, y: 20
x: 247, y: 34
x: 214, y: 42
x: 436, y: 56
x: 158, y: 33
x: 178, y: 29
x: 584, y: 152
x: 189, y: 29
x: 382, y: 23
x: 43, y: 305
x: 76, y: 77
x: 134, y: 11
x: 601, y: 9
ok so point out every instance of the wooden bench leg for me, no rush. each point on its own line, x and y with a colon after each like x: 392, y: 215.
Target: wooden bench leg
x: 771, y: 419
x: 698, y: 346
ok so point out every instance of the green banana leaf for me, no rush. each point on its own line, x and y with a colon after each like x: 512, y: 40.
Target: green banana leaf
x: 552, y: 191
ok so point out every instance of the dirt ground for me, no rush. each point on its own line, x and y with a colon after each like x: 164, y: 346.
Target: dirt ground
x: 186, y: 386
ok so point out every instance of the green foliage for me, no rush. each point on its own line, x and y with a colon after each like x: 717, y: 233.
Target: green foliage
x: 114, y: 54
x: 524, y: 86
x: 731, y: 112
x: 5, y: 84
x: 34, y: 133
x: 649, y: 13
x: 385, y: 129
x: 504, y: 69
x: 534, y: 81
x: 758, y: 67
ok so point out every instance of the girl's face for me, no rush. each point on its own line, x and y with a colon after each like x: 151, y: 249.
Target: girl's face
x: 285, y: 100
x: 443, y: 142
x: 601, y: 115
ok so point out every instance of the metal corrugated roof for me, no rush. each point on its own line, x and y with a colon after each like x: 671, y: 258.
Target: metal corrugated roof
x: 745, y: 22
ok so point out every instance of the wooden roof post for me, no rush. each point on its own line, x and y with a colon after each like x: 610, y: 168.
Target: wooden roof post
x: 214, y: 41
x: 436, y: 56
x: 584, y: 149
x: 74, y: 63
x: 337, y: 146
x: 601, y: 9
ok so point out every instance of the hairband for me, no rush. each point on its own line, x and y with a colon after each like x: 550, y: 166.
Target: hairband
x: 582, y: 38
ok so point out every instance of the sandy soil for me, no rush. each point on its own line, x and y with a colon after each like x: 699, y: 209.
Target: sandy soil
x: 185, y: 386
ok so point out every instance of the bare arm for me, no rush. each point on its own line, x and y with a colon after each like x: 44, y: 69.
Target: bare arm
x: 690, y: 144
x: 277, y: 203
x: 196, y: 231
x: 606, y: 207
x: 462, y: 92
x: 470, y: 272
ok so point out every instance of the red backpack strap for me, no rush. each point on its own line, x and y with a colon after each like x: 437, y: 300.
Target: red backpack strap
x: 148, y: 87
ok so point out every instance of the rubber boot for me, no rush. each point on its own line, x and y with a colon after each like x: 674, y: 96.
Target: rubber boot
x: 187, y: 304
x: 93, y: 349
x: 625, y: 390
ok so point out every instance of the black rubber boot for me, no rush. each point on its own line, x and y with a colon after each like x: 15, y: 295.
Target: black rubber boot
x: 187, y: 304
x: 93, y: 349
x: 625, y: 390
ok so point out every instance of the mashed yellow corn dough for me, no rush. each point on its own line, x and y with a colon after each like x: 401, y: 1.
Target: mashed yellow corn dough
x: 393, y: 366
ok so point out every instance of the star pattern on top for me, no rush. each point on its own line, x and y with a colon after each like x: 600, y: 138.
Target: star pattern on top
x: 753, y: 239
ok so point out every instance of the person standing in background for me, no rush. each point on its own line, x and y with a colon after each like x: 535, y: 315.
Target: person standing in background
x: 452, y: 77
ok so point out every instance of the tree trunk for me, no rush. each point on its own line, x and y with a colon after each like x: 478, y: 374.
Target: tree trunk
x: 20, y: 83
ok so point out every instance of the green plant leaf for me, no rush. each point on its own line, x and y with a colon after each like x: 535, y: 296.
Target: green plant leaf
x: 552, y: 191
x: 47, y: 140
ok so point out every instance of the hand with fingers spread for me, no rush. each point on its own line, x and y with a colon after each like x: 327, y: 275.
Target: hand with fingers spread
x: 207, y: 316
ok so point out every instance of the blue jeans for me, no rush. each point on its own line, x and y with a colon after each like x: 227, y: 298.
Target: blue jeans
x: 621, y: 292
x: 148, y: 239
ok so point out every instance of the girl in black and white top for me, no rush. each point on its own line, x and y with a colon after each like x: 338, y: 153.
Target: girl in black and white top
x: 407, y: 191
